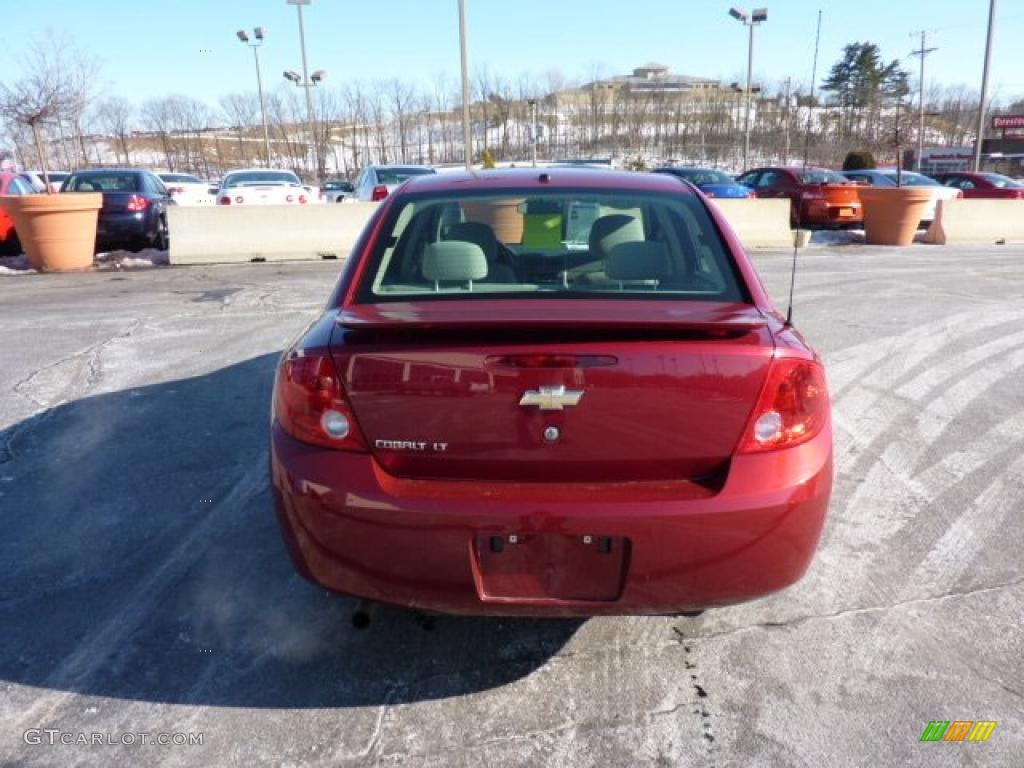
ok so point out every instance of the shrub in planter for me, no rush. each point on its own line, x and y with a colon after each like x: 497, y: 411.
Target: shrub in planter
x: 859, y: 160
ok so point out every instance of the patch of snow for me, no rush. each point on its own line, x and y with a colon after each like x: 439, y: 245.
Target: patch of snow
x: 827, y: 237
x: 147, y: 257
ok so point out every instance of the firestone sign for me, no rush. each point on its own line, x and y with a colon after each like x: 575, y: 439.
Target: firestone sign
x: 1008, y: 121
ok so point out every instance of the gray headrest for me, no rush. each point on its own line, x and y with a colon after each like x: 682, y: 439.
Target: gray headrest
x: 477, y: 233
x: 609, y: 231
x: 642, y: 260
x: 454, y: 260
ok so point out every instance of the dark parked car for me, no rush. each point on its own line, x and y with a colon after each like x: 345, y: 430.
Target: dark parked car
x: 819, y: 198
x: 615, y: 421
x: 711, y: 182
x: 134, y: 212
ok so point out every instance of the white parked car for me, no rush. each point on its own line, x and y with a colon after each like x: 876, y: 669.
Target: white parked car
x: 336, y: 190
x: 262, y: 186
x: 886, y: 177
x: 186, y: 189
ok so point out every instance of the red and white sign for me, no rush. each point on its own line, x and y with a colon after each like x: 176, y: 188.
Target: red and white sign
x: 1008, y: 121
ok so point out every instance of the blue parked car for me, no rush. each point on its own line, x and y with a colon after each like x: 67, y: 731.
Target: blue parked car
x: 709, y: 181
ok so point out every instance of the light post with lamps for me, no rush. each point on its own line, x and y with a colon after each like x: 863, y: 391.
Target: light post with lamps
x: 758, y: 16
x: 257, y: 34
x: 307, y: 83
x: 311, y: 82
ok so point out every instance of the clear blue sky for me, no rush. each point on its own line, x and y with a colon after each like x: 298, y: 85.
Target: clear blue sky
x: 154, y: 47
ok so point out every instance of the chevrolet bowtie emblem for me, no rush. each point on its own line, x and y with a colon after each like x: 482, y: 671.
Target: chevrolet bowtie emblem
x: 551, y: 398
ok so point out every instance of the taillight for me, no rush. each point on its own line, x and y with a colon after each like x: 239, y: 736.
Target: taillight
x: 302, y: 198
x: 959, y: 194
x: 792, y: 408
x: 225, y: 200
x: 310, y: 404
x: 379, y: 193
x: 289, y: 198
x: 137, y: 203
x: 751, y: 194
x: 239, y: 199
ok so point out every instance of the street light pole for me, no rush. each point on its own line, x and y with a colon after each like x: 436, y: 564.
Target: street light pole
x: 984, y: 86
x: 758, y: 16
x: 244, y: 37
x: 307, y: 85
x: 467, y: 138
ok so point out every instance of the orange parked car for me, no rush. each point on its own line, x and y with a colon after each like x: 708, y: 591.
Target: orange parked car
x: 11, y: 184
x: 821, y: 199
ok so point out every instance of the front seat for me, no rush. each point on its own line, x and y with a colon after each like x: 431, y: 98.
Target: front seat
x: 483, y: 236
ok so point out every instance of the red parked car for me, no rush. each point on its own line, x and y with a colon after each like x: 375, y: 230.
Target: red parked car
x: 820, y: 198
x: 11, y: 184
x: 550, y: 392
x: 993, y: 186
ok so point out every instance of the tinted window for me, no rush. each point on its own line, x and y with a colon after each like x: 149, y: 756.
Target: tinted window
x: 563, y: 244
x: 19, y: 187
x: 822, y: 177
x: 911, y: 179
x: 769, y: 179
x: 179, y: 178
x: 156, y: 186
x: 102, y: 182
x: 699, y: 176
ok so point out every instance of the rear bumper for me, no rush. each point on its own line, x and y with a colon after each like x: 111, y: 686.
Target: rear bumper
x: 824, y: 214
x: 124, y: 227
x: 352, y: 528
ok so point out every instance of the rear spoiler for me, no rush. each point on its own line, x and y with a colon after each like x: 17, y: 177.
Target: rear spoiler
x: 549, y: 314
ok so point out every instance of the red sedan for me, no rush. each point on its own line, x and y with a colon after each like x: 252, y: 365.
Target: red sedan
x: 11, y: 184
x: 550, y: 393
x: 992, y: 186
x: 819, y: 198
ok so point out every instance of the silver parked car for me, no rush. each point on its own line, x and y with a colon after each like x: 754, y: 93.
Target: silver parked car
x: 376, y: 182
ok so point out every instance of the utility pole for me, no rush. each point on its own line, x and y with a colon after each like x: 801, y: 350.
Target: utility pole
x: 984, y: 86
x: 810, y: 106
x: 922, y: 52
x: 789, y: 83
x: 533, y: 132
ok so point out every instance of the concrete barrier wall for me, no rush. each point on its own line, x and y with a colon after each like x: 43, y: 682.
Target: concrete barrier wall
x: 758, y: 223
x: 223, y: 233
x: 967, y: 222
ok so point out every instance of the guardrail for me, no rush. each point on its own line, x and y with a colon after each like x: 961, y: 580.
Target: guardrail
x: 976, y: 222
x: 227, y: 234
x: 759, y: 223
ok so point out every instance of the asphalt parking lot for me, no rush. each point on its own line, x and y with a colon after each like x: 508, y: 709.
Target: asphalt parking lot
x: 145, y: 588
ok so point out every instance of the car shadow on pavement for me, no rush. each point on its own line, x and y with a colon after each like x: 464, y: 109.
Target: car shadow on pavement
x: 141, y: 560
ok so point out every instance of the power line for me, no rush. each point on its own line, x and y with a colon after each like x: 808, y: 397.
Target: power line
x: 923, y: 52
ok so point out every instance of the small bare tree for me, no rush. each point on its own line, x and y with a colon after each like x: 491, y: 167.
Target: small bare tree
x: 42, y: 95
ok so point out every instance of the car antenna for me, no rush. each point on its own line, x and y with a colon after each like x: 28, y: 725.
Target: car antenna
x: 792, y: 272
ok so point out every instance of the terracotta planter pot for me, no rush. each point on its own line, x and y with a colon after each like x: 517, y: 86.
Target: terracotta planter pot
x: 502, y: 216
x: 892, y: 214
x: 58, y: 232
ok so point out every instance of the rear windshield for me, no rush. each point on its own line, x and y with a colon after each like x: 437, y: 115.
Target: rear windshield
x: 336, y: 185
x: 103, y: 182
x: 822, y: 177
x: 911, y: 179
x: 181, y: 178
x: 256, y: 178
x: 398, y: 175
x: 1003, y: 182
x: 561, y: 244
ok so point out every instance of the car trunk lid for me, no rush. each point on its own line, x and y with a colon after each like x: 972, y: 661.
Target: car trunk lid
x: 594, y: 391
